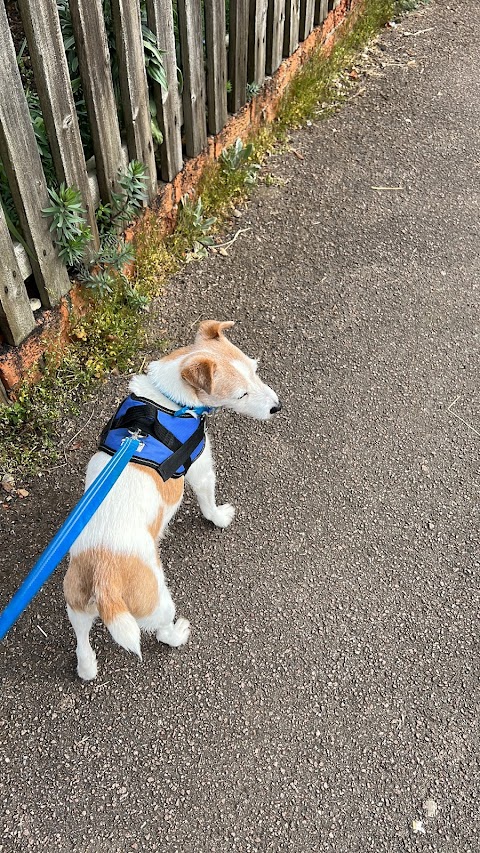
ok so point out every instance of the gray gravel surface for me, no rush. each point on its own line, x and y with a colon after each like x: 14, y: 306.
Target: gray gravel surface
x: 330, y: 685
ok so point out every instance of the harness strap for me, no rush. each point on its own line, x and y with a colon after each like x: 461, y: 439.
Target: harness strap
x: 145, y: 418
x: 182, y: 456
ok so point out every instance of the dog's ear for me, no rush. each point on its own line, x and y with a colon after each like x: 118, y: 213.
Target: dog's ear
x: 200, y: 373
x: 211, y: 329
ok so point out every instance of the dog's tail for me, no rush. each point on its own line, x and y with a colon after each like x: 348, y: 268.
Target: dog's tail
x: 119, y: 621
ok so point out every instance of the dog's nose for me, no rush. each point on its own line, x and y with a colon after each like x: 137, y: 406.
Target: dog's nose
x: 276, y: 408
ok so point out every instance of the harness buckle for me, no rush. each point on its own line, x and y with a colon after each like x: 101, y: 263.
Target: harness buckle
x: 138, y: 434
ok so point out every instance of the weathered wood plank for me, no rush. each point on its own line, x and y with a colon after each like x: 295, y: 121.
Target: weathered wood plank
x: 275, y: 28
x: 168, y: 102
x: 16, y: 316
x: 307, y: 11
x: 20, y: 157
x: 292, y: 23
x: 190, y: 26
x: 321, y: 11
x: 52, y: 78
x: 237, y: 54
x: 133, y: 87
x: 95, y: 72
x: 3, y: 394
x: 215, y: 30
x: 257, y: 41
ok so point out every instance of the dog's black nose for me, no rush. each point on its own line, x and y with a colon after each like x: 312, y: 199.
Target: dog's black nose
x: 276, y: 408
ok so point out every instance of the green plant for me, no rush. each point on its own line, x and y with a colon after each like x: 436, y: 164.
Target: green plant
x: 97, y: 270
x: 252, y: 91
x: 195, y: 228
x: 239, y: 157
x: 72, y: 234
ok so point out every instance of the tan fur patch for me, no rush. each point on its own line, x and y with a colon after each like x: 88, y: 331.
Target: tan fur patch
x: 118, y: 583
x: 171, y: 492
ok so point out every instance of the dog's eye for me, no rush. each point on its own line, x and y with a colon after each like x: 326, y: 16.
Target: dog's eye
x: 243, y: 395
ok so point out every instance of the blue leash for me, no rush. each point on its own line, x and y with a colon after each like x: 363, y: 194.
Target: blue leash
x: 69, y: 531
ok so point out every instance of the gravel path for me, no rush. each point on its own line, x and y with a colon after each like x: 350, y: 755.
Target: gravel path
x: 330, y: 687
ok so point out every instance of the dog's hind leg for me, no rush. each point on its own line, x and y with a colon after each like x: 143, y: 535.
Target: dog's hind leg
x: 86, y: 658
x: 201, y: 477
x: 162, y: 621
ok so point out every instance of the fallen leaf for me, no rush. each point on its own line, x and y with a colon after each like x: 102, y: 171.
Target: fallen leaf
x: 430, y: 807
x: 418, y: 827
x: 22, y: 493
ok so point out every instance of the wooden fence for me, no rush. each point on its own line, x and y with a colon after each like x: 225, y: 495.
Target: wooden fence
x: 215, y: 53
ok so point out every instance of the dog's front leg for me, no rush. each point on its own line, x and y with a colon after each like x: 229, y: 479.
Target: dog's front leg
x: 201, y: 477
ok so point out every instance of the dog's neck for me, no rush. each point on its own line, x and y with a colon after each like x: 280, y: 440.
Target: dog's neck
x: 164, y: 385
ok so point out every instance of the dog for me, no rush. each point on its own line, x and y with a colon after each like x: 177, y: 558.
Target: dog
x: 115, y: 570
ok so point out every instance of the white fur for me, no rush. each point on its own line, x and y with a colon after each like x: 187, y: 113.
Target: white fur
x: 121, y: 524
x: 125, y: 631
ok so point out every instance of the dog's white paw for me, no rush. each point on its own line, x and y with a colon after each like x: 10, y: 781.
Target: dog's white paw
x: 87, y: 669
x: 223, y: 515
x: 176, y: 634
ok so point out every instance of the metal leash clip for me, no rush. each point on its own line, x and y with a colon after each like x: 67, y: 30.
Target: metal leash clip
x: 138, y: 435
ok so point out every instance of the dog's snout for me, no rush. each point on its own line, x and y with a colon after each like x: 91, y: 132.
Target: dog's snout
x: 275, y: 409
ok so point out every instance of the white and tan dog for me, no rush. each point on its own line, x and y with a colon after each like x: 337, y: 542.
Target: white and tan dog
x: 115, y: 570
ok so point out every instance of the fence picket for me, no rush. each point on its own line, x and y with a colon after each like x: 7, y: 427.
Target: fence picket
x: 307, y: 11
x: 190, y: 25
x: 275, y: 28
x: 94, y: 66
x: 133, y: 87
x: 237, y: 54
x: 21, y: 160
x: 52, y: 78
x: 16, y: 316
x: 215, y: 31
x: 292, y: 23
x: 257, y: 41
x: 321, y: 11
x: 168, y: 103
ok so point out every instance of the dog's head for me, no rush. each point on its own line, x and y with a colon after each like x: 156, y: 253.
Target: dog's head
x: 222, y: 375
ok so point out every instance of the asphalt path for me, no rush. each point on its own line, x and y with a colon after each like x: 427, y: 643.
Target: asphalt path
x: 327, y: 701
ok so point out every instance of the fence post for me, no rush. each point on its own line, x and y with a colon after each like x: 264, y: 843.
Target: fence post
x: 21, y: 160
x: 275, y: 27
x: 215, y: 33
x: 16, y: 316
x: 237, y: 54
x: 44, y: 36
x: 307, y: 11
x: 94, y: 65
x: 133, y: 86
x: 257, y: 40
x: 321, y: 11
x: 292, y: 23
x: 168, y: 103
x: 190, y: 25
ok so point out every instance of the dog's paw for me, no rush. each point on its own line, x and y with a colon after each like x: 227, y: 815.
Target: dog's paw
x: 175, y: 634
x: 87, y: 669
x: 223, y: 515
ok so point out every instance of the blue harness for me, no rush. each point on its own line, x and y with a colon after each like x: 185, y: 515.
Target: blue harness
x: 171, y: 440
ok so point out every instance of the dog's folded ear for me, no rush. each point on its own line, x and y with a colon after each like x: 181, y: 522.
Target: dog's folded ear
x: 199, y: 372
x: 211, y: 329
